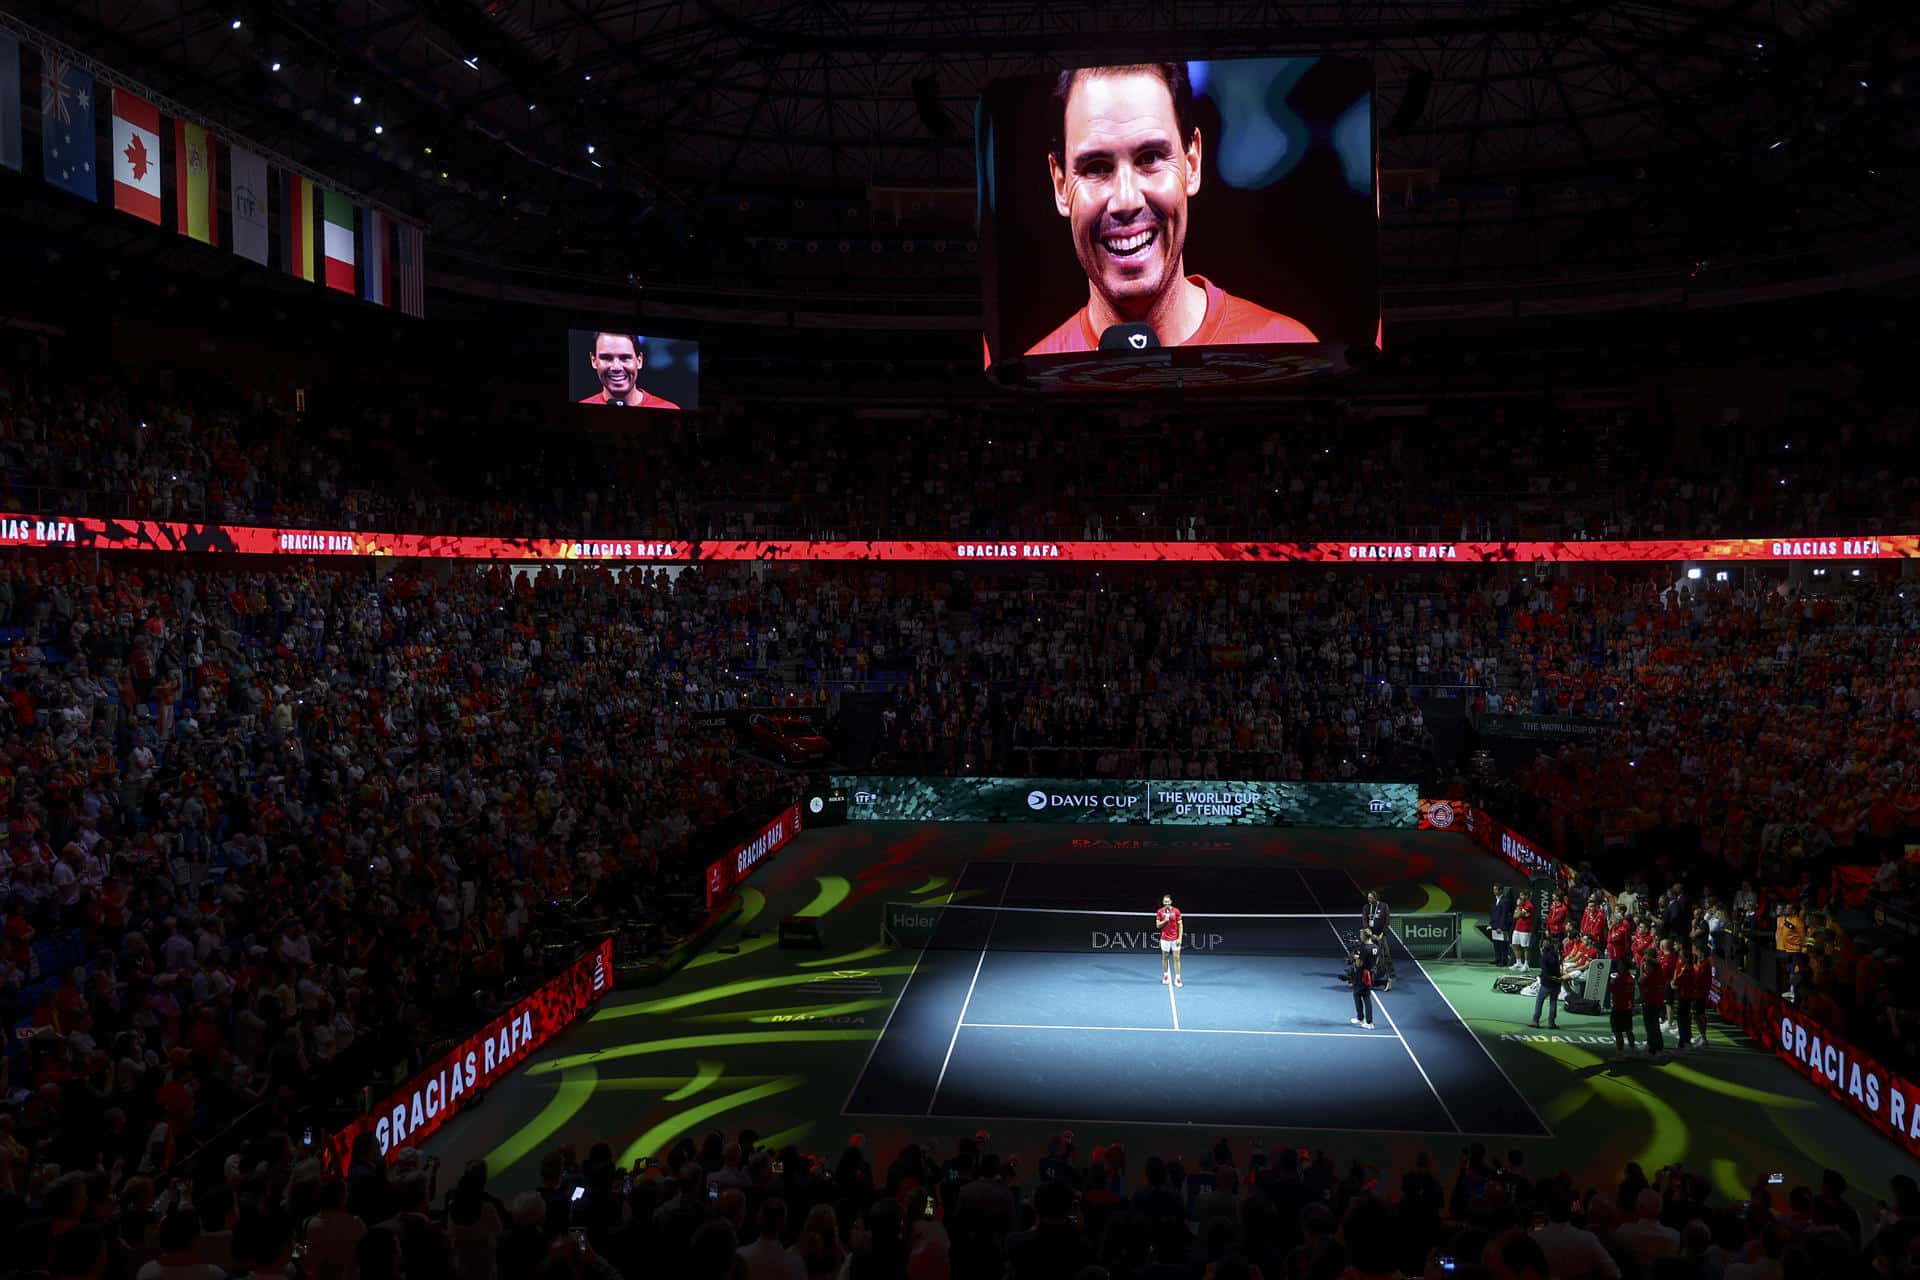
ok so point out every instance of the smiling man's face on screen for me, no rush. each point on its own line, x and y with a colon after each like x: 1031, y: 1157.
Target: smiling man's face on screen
x: 1122, y: 180
x: 616, y: 361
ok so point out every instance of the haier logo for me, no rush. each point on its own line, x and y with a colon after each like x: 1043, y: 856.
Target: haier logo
x: 1038, y: 800
x: 1412, y: 929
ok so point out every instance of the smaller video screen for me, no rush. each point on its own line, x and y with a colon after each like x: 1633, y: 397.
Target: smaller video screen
x: 616, y: 370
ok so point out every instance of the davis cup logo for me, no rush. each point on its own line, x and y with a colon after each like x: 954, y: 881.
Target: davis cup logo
x: 816, y: 804
x: 1441, y: 816
x: 1036, y: 799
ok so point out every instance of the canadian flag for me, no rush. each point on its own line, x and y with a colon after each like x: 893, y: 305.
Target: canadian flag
x: 136, y: 156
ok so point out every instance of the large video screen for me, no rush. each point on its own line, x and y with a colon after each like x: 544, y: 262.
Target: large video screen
x: 632, y: 371
x: 1180, y: 204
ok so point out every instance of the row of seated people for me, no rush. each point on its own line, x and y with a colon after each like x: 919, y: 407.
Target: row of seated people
x: 271, y: 834
x: 732, y: 1211
x: 1499, y: 467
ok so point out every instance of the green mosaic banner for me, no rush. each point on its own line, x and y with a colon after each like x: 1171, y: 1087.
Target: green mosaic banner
x: 1298, y: 804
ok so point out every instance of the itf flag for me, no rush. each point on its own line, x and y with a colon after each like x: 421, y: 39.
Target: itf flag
x: 136, y: 157
x: 66, y: 127
x: 337, y: 216
x: 194, y: 183
x: 9, y: 101
x: 248, y: 174
x: 376, y: 263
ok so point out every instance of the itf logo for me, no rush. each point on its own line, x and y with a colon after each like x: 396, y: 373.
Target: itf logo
x: 1036, y: 799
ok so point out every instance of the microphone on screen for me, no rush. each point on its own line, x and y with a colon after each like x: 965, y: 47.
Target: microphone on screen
x: 1134, y: 336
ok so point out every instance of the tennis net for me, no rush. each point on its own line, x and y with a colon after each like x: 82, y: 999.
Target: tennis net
x: 1090, y: 932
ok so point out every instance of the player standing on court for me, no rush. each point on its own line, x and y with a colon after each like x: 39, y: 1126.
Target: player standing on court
x: 1173, y: 929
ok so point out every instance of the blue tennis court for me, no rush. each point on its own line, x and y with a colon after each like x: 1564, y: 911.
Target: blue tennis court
x: 1055, y: 1011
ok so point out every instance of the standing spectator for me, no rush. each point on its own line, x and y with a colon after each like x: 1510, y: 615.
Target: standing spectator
x: 766, y: 1258
x: 1054, y: 1247
x: 1573, y: 1253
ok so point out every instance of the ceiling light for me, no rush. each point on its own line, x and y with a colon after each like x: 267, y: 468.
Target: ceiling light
x: 379, y: 129
x: 596, y: 164
x: 533, y: 106
x: 473, y: 61
x: 275, y: 67
x: 236, y: 24
x: 356, y: 99
x: 1863, y: 83
x: 589, y: 148
x: 427, y: 150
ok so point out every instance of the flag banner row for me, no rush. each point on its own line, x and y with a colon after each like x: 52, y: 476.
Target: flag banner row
x: 323, y: 236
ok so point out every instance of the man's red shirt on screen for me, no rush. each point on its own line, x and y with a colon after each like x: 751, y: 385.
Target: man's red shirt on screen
x: 648, y: 400
x: 1169, y: 923
x: 1229, y: 321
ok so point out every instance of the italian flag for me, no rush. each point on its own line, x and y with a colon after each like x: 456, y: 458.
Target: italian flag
x: 337, y: 211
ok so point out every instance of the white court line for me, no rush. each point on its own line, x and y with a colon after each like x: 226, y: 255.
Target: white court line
x: 1383, y: 1006
x: 1175, y: 1004
x: 957, y: 1022
x: 1185, y: 1031
x: 1464, y: 1025
x: 898, y: 1000
x: 1259, y: 1126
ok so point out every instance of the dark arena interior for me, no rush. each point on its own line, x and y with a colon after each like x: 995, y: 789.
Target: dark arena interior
x: 763, y: 640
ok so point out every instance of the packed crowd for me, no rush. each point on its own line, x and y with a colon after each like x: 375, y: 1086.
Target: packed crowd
x: 1762, y: 725
x: 1460, y: 467
x: 724, y: 1210
x: 272, y: 835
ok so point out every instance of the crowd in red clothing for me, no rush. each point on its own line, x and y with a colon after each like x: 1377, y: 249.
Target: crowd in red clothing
x: 270, y: 834
x: 1537, y: 464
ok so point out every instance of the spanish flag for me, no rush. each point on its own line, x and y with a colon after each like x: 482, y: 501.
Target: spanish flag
x: 194, y: 183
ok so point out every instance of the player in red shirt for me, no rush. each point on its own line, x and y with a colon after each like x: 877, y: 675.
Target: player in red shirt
x: 1173, y: 930
x: 617, y: 361
x: 1522, y: 931
x: 1620, y: 939
x: 1593, y: 922
x: 1127, y: 163
x: 1557, y: 916
x: 1653, y: 1005
x: 1620, y: 991
x: 1698, y: 977
x: 1670, y: 960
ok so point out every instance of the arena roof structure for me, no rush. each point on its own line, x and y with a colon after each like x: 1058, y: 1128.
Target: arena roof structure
x: 674, y: 139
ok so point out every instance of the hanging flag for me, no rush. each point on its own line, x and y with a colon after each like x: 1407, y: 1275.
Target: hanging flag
x: 248, y: 174
x: 136, y: 156
x: 194, y: 205
x: 337, y: 213
x: 410, y: 270
x: 9, y: 101
x: 296, y: 225
x: 376, y: 263
x: 66, y: 127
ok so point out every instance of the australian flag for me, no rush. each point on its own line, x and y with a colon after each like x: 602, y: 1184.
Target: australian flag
x: 66, y: 127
